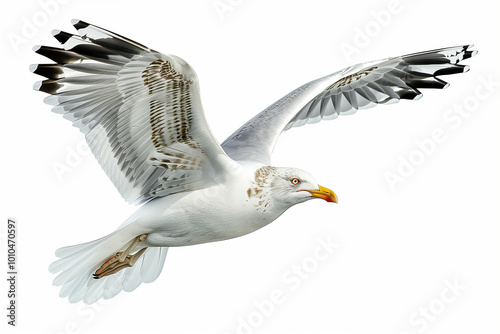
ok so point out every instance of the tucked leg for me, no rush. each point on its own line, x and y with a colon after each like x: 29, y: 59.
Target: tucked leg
x: 121, y: 260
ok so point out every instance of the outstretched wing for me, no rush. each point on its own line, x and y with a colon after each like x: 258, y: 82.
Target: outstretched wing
x: 140, y: 111
x: 343, y: 93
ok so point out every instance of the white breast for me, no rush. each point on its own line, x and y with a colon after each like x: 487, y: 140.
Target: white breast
x: 232, y: 208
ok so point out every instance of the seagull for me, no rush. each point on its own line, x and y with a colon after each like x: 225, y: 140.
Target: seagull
x: 141, y: 114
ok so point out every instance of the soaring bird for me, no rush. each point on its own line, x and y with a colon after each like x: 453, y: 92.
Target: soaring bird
x: 142, y: 117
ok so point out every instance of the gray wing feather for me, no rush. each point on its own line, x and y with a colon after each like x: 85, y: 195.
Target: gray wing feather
x: 357, y: 87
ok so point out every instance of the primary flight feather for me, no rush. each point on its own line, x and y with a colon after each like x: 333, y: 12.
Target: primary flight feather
x: 141, y: 113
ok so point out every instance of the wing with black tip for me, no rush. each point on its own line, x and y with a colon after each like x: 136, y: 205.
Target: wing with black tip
x: 139, y: 109
x: 343, y: 93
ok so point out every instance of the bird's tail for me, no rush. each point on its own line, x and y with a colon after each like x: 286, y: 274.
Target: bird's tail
x: 78, y: 263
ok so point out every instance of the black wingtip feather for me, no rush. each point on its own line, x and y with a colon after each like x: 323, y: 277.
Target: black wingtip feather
x: 119, y: 47
x: 408, y: 94
x: 469, y: 54
x: 61, y: 36
x: 118, y: 43
x: 452, y: 69
x: 79, y: 24
x: 50, y: 71
x: 430, y: 82
x: 58, y: 55
x: 92, y: 51
x: 426, y: 59
x: 47, y: 86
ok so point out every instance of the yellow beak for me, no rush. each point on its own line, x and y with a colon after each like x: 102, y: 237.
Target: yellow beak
x: 324, y: 193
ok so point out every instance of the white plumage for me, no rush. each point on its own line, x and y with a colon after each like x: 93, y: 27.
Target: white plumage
x: 142, y: 117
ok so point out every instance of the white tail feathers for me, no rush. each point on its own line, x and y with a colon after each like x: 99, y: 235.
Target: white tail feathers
x: 77, y: 264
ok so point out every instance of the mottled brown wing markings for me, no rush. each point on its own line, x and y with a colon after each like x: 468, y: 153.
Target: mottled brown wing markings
x: 175, y: 116
x: 351, y: 78
x: 156, y: 121
x: 174, y: 162
x: 170, y: 118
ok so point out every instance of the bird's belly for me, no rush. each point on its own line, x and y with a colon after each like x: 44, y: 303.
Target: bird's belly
x: 201, y: 217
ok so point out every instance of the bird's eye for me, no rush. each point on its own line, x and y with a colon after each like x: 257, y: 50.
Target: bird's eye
x: 295, y: 181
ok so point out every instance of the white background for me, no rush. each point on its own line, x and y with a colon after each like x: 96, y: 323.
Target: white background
x: 398, y: 248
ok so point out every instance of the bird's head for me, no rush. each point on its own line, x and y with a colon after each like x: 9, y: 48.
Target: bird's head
x: 290, y: 186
